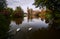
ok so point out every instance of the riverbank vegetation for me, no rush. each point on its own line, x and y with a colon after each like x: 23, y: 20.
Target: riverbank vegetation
x: 54, y: 7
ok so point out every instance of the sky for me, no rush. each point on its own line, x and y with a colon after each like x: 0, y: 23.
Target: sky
x: 23, y: 3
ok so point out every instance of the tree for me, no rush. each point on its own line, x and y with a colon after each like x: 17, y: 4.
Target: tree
x: 3, y: 4
x: 4, y: 20
x: 4, y: 26
x: 9, y: 11
x: 50, y: 4
x: 54, y: 7
x: 18, y: 12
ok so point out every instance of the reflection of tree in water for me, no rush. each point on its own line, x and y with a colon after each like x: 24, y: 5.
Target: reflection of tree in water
x: 30, y: 18
x: 18, y: 20
x: 42, y: 19
x: 52, y: 32
x: 55, y: 24
x: 4, y: 26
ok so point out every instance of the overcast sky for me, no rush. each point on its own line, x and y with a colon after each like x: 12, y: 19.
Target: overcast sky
x: 23, y: 3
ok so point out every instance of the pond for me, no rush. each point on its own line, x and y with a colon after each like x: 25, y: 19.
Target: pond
x: 35, y: 23
x: 35, y: 28
x: 24, y: 25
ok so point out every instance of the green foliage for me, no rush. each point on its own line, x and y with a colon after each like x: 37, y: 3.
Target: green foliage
x: 10, y: 11
x: 4, y: 26
x: 48, y: 15
x: 4, y: 20
x: 57, y: 14
x: 18, y: 12
x: 53, y: 5
x: 50, y: 4
x: 3, y: 4
x: 38, y: 3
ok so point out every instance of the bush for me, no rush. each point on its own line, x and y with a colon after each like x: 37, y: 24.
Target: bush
x: 4, y: 26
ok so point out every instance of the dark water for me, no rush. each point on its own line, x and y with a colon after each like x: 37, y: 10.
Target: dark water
x: 35, y: 28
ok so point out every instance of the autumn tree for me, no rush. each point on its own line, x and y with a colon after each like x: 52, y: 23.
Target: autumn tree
x: 18, y: 12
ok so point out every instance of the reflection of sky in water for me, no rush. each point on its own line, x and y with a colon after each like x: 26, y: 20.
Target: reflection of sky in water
x: 13, y: 26
x: 35, y: 23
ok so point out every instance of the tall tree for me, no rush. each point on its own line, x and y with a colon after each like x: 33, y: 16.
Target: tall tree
x: 4, y: 21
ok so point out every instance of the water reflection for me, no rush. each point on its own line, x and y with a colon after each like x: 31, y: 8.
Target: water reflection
x: 55, y: 24
x: 52, y: 31
x: 24, y: 25
x: 37, y: 28
x: 18, y: 20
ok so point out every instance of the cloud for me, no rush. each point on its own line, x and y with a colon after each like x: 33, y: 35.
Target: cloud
x: 23, y: 3
x: 19, y: 2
